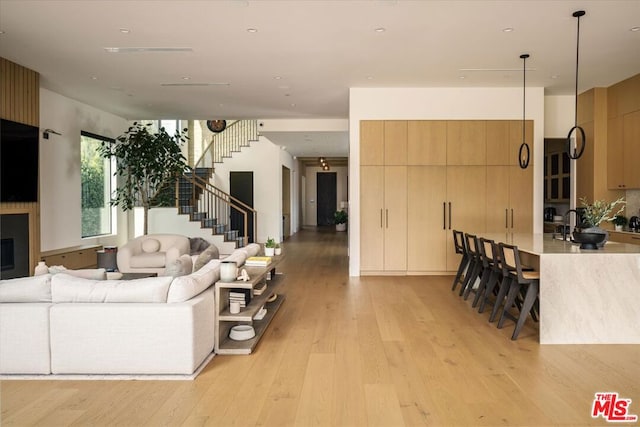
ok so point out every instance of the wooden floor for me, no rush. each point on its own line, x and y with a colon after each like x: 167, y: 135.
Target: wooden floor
x: 385, y: 351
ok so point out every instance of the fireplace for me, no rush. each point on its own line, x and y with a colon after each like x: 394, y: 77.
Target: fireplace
x: 14, y: 245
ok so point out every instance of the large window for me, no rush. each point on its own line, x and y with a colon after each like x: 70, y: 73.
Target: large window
x: 97, y: 181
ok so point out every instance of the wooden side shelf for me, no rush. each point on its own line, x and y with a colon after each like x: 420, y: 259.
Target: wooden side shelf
x: 225, y: 320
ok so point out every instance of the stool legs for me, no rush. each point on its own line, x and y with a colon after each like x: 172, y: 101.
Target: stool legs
x: 502, y: 292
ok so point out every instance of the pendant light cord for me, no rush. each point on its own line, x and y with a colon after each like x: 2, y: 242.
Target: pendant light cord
x: 524, y: 153
x: 575, y: 119
x: 574, y: 153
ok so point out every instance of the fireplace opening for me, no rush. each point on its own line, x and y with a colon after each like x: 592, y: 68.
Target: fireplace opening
x: 14, y: 242
x: 7, y: 257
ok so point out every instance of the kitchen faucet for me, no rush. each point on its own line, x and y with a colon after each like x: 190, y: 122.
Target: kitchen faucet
x: 565, y: 224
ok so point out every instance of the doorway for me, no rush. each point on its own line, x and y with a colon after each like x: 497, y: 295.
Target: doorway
x: 286, y: 202
x: 326, y: 193
x: 241, y: 188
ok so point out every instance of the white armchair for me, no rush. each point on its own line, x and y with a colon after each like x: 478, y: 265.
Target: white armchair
x: 151, y: 253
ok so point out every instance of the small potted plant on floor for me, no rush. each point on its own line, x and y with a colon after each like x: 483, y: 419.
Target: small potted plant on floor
x: 619, y: 221
x: 269, y: 247
x: 340, y: 220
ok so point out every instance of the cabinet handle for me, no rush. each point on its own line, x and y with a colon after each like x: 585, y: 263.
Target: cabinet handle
x: 511, y: 217
x: 444, y: 215
x: 506, y: 218
x: 387, y: 218
x: 449, y: 215
x: 380, y: 218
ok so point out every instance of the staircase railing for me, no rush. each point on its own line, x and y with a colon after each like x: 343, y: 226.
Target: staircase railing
x: 217, y: 203
x: 237, y: 135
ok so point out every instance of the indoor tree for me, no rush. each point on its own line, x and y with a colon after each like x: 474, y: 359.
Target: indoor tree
x: 146, y: 165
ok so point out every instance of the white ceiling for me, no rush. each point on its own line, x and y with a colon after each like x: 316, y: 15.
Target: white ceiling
x: 306, y: 55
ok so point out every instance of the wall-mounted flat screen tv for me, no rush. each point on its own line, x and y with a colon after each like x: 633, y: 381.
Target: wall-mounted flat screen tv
x: 19, y: 145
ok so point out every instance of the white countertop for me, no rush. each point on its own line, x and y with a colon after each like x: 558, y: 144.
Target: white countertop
x: 541, y: 244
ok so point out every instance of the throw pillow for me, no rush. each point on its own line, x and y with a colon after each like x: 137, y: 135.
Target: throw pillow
x: 150, y: 246
x: 180, y: 267
x: 210, y: 253
x: 198, y: 245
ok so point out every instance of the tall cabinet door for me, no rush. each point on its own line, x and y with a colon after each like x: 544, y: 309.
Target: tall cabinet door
x: 372, y: 218
x: 497, y: 200
x: 521, y: 199
x: 395, y: 218
x: 427, y: 218
x: 467, y: 206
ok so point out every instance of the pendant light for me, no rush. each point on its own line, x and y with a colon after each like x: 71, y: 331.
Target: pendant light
x: 525, y: 153
x: 575, y: 153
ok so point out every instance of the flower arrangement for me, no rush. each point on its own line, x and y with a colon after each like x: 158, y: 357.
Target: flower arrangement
x: 599, y: 211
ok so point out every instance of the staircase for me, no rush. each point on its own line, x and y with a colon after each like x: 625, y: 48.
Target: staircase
x: 207, y: 204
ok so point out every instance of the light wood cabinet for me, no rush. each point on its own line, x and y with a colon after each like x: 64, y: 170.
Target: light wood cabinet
x: 408, y: 213
x: 427, y: 218
x: 624, y: 237
x: 466, y: 142
x: 383, y: 230
x: 427, y: 142
x: 615, y: 154
x: 383, y: 142
x: 73, y: 258
x: 631, y: 141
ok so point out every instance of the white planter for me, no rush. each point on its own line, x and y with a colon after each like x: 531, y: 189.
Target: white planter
x: 341, y: 227
x: 618, y: 228
x: 269, y: 251
x: 278, y: 251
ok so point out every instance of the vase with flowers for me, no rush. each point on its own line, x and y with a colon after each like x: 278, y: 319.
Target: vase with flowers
x: 589, y: 233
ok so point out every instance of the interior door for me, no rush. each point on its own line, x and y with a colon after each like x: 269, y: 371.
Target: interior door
x: 241, y: 187
x: 326, y: 194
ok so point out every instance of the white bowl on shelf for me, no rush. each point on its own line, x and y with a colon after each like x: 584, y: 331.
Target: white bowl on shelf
x: 242, y: 332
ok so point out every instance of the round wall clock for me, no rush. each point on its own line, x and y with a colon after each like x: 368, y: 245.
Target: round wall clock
x: 216, y: 125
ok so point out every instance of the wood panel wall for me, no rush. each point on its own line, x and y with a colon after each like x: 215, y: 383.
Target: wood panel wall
x: 20, y: 102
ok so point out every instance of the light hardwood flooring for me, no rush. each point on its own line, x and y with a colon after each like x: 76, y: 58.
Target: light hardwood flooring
x: 380, y: 351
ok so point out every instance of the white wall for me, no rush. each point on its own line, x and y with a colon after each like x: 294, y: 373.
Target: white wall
x: 311, y: 213
x: 558, y: 115
x: 438, y: 104
x: 60, y: 206
x: 265, y: 160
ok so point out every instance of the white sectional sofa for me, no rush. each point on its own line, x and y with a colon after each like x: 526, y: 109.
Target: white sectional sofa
x: 63, y: 324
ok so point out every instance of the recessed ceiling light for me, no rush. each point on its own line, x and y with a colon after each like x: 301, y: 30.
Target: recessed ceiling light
x: 125, y: 30
x: 634, y: 29
x: 293, y: 105
x: 555, y: 76
x: 252, y: 30
x: 186, y: 78
x: 369, y: 77
x: 507, y: 30
x: 277, y: 77
x: 462, y: 77
x: 380, y: 30
x: 94, y: 78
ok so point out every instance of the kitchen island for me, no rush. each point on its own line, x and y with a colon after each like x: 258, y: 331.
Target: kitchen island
x: 586, y: 296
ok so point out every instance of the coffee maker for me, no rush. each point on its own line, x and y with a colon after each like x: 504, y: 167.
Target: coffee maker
x: 549, y: 213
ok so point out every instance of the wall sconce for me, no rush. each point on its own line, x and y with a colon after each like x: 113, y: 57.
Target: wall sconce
x: 46, y: 132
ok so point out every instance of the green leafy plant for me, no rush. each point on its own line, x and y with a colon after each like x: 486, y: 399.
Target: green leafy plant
x: 340, y: 217
x: 599, y: 211
x: 620, y: 220
x: 271, y: 243
x: 146, y: 164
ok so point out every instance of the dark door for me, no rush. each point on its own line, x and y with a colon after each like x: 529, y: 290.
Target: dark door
x: 241, y: 187
x: 326, y: 197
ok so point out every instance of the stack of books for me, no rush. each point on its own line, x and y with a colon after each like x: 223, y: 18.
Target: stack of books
x: 260, y: 288
x: 258, y: 261
x: 243, y: 296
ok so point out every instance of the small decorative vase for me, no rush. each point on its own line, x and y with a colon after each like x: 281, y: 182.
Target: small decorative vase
x: 228, y: 271
x: 594, y: 242
x: 277, y: 251
x: 41, y: 269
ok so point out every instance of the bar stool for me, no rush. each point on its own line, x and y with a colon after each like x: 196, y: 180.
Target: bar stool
x: 526, y: 283
x: 491, y: 273
x: 474, y: 271
x: 461, y: 249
